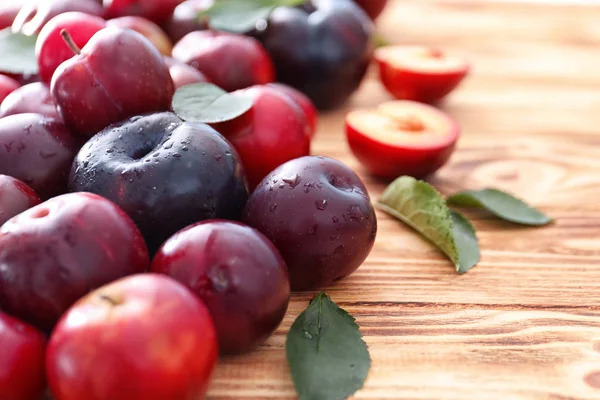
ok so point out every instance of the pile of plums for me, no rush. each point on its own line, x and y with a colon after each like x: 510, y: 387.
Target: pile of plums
x: 135, y: 247
x: 331, y: 40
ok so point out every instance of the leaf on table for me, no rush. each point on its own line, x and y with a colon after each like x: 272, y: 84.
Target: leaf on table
x: 241, y: 16
x: 207, y: 103
x: 502, y: 205
x: 422, y: 207
x: 17, y: 53
x: 466, y: 241
x: 328, y: 357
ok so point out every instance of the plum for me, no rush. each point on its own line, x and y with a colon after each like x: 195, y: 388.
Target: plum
x: 165, y: 173
x: 237, y: 272
x: 322, y: 48
x: 319, y: 215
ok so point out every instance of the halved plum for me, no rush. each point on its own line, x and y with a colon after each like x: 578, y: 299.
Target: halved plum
x: 401, y: 138
x: 419, y: 73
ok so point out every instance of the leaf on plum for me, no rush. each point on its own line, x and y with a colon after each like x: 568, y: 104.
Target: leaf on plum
x: 241, y: 16
x: 209, y: 104
x: 17, y: 53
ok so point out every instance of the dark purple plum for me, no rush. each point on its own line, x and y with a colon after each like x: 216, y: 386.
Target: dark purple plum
x: 237, y: 272
x: 15, y: 197
x: 322, y: 48
x: 37, y: 150
x: 319, y: 215
x: 56, y: 252
x: 165, y: 173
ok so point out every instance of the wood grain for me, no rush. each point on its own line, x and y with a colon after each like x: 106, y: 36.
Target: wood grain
x: 525, y: 323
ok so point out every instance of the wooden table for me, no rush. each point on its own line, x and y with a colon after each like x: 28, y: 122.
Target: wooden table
x: 525, y: 323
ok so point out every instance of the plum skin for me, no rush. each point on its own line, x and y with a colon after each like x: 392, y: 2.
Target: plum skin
x: 141, y: 337
x: 319, y: 215
x: 164, y: 172
x: 37, y: 150
x: 22, y: 359
x: 50, y: 47
x: 31, y: 98
x: 230, y: 61
x: 323, y: 49
x: 273, y: 131
x: 15, y: 197
x: 57, y: 251
x: 185, y: 18
x: 7, y: 86
x: 239, y: 275
x: 89, y: 95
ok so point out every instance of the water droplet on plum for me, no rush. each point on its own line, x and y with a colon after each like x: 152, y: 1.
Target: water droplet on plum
x: 293, y: 180
x: 220, y: 278
x: 321, y: 204
x: 354, y: 213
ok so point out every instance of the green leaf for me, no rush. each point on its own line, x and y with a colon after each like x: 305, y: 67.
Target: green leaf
x: 466, y: 241
x: 17, y: 53
x: 420, y: 206
x: 502, y: 205
x: 241, y: 16
x: 328, y: 358
x: 207, y: 103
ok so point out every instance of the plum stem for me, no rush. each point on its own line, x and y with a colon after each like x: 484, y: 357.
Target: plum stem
x: 70, y: 42
x: 109, y: 299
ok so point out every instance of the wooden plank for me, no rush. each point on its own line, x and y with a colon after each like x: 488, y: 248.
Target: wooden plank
x: 525, y: 323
